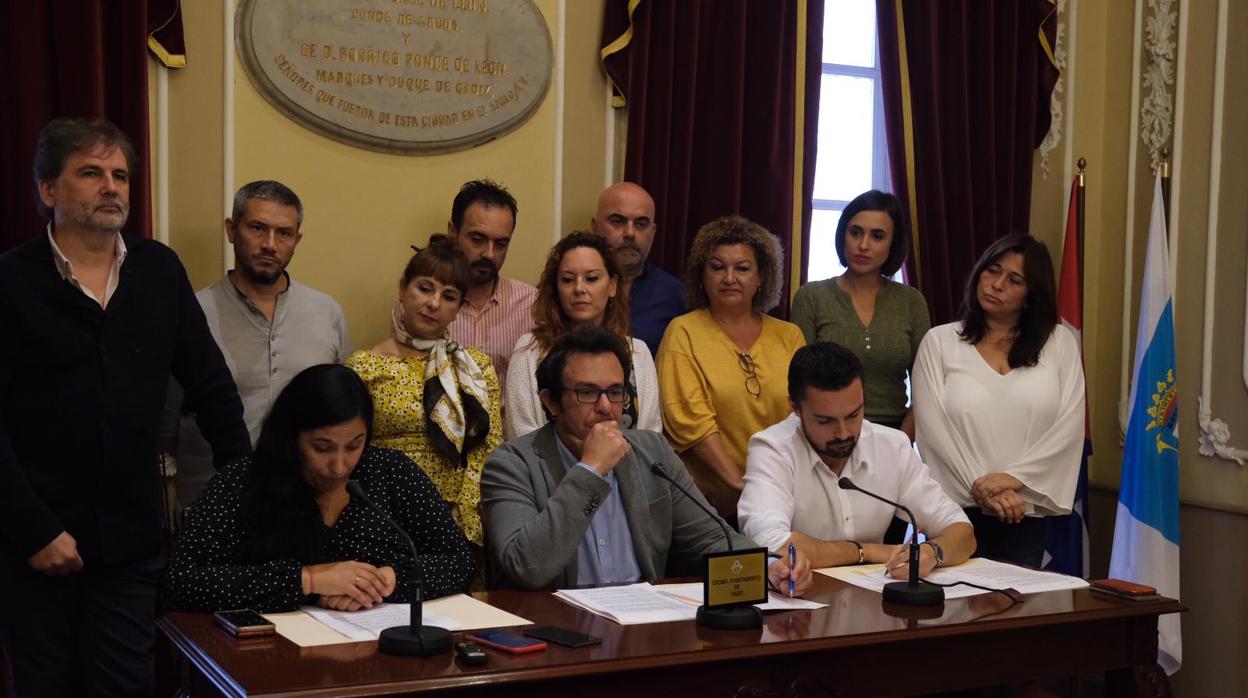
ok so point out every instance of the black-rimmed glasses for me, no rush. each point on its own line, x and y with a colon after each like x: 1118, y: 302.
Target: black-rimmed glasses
x: 746, y: 362
x: 589, y: 395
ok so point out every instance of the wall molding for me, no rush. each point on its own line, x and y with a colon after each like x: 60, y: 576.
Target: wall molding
x: 162, y: 153
x: 227, y: 130
x: 1158, y: 112
x: 1215, y: 435
x: 608, y: 160
x: 1128, y: 299
x: 561, y: 49
x: 1068, y: 159
x: 1056, y: 113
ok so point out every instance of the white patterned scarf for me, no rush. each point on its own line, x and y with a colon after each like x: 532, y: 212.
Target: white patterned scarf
x: 452, y: 366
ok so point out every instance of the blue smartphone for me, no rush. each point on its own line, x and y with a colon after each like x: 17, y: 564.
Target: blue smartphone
x: 504, y: 641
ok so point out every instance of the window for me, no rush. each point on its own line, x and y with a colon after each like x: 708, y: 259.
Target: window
x: 853, y: 156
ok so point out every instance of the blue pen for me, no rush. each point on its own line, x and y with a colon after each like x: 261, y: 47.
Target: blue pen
x: 792, y: 566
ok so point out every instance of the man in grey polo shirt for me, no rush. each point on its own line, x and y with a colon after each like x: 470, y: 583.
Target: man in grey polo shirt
x: 269, y: 326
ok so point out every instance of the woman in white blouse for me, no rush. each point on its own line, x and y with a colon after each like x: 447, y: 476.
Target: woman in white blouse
x: 580, y: 285
x: 999, y: 402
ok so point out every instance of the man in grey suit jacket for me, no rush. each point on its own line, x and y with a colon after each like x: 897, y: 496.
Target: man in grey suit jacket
x: 575, y: 503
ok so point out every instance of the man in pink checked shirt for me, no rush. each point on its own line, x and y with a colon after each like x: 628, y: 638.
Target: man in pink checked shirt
x: 497, y: 309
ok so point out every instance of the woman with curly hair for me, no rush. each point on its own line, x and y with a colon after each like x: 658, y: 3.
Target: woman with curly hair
x: 580, y: 285
x: 437, y: 402
x: 723, y: 366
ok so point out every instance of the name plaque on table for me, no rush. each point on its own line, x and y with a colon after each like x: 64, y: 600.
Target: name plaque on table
x: 398, y: 76
x: 735, y: 578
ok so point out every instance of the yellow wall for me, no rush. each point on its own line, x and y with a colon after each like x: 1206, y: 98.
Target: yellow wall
x: 1102, y: 72
x: 1214, y: 492
x: 363, y: 209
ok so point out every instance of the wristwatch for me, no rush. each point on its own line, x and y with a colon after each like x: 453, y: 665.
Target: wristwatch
x: 940, y: 552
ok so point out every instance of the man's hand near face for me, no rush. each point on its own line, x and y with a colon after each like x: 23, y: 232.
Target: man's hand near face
x: 605, y: 446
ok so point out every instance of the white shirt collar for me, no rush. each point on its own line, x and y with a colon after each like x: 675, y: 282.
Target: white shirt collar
x: 65, y: 268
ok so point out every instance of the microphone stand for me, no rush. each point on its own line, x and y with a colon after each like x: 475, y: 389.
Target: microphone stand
x: 912, y: 592
x: 719, y: 617
x: 414, y: 639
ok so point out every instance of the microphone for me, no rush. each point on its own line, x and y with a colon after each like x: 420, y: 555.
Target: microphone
x: 745, y: 617
x: 414, y: 639
x: 913, y: 592
x: 657, y: 469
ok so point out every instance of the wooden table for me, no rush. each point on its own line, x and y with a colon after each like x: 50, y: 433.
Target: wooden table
x: 854, y: 647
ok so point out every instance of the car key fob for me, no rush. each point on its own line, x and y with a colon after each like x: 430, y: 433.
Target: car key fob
x: 470, y: 653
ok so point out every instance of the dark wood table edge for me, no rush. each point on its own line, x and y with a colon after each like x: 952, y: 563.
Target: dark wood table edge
x: 503, y: 679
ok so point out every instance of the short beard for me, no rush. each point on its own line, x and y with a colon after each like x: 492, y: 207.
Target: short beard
x: 258, y: 277
x: 838, y: 449
x: 833, y: 449
x: 483, y: 272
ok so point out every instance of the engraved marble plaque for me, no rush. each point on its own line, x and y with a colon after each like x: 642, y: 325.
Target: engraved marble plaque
x: 398, y: 76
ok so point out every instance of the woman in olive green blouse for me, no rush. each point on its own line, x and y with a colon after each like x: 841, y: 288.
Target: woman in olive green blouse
x: 879, y: 319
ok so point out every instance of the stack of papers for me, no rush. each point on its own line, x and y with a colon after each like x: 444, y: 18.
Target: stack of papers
x: 360, y: 626
x: 629, y: 605
x: 692, y: 593
x: 646, y: 603
x: 981, y: 571
x: 312, y: 626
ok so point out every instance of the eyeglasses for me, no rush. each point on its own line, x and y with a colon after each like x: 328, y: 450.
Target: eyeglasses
x: 588, y: 395
x: 746, y: 362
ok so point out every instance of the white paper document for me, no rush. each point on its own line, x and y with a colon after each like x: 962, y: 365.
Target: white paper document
x: 981, y: 571
x: 629, y: 605
x: 368, y: 624
x: 691, y: 592
x: 312, y: 626
x: 646, y: 603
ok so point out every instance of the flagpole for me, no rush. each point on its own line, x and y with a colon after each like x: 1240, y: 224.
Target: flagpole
x: 1079, y: 222
x: 1165, y: 186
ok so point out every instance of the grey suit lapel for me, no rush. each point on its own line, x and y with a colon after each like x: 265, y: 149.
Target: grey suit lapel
x: 548, y: 451
x: 630, y: 474
x: 553, y: 472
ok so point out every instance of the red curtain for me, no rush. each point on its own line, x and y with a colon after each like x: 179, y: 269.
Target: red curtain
x: 980, y: 78
x: 711, y: 95
x: 77, y: 58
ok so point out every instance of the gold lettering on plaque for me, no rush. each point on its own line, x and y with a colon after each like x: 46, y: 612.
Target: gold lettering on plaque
x: 293, y: 75
x: 368, y: 55
x: 449, y: 25
x: 426, y: 61
x: 372, y: 16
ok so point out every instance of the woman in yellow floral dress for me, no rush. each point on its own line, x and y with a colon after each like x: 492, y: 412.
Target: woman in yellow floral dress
x: 435, y: 401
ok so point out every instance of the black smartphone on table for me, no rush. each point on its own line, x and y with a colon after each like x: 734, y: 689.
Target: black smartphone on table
x: 244, y: 622
x: 562, y: 636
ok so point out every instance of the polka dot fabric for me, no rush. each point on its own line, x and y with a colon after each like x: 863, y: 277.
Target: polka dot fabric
x: 206, y: 573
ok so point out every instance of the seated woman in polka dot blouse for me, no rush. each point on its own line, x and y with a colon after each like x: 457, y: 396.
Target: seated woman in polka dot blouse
x: 278, y: 530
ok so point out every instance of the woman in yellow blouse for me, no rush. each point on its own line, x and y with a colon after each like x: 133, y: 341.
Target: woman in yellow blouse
x: 435, y: 401
x: 723, y: 368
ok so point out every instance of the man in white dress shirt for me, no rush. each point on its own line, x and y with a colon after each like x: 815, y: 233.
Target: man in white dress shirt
x: 792, y: 469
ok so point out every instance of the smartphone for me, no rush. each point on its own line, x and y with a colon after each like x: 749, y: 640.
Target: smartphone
x: 561, y: 636
x: 504, y: 641
x: 1123, y: 588
x: 244, y: 622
